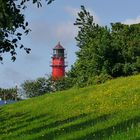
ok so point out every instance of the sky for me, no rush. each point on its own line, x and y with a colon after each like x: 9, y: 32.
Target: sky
x: 53, y: 23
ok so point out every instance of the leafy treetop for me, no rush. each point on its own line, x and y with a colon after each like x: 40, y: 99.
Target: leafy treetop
x: 13, y: 25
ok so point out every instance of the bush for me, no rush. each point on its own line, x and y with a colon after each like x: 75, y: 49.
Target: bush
x: 99, y: 79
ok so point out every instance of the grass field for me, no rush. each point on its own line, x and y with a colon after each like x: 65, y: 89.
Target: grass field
x: 109, y: 111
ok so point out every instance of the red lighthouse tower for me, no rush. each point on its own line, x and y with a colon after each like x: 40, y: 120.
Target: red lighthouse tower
x: 58, y: 62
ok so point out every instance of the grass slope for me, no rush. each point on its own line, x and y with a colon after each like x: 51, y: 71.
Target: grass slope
x: 107, y: 111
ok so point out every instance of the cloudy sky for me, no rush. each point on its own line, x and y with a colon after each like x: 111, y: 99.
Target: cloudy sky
x: 53, y: 23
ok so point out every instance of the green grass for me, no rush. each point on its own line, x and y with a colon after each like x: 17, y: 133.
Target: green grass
x: 109, y: 111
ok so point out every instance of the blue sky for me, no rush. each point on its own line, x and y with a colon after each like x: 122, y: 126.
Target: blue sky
x: 53, y: 23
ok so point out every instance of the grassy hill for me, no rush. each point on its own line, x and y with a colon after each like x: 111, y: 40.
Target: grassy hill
x: 109, y: 111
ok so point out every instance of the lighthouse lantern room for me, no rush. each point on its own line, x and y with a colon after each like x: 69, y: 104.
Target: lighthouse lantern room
x: 58, y: 62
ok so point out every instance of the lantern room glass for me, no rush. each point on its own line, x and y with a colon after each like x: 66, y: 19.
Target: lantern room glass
x: 58, y: 52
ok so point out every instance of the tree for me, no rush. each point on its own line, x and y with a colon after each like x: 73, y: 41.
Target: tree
x: 13, y: 25
x: 61, y: 84
x: 126, y: 49
x: 42, y: 85
x: 36, y: 87
x: 8, y: 94
x: 104, y: 52
x: 94, y: 43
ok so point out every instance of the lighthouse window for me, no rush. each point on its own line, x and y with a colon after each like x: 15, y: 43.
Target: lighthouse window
x: 58, y: 53
x: 54, y: 52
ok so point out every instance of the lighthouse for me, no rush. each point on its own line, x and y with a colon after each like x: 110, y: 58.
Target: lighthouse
x: 58, y: 62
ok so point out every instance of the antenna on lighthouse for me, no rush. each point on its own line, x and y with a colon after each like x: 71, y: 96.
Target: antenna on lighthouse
x: 58, y: 62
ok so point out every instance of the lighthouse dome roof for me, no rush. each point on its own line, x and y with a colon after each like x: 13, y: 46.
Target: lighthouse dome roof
x: 58, y: 47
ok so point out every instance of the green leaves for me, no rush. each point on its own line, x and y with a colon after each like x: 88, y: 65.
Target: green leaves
x: 125, y: 40
x: 104, y: 51
x: 49, y: 1
x: 36, y: 87
x: 27, y: 50
x: 12, y: 21
x: 14, y: 40
x: 7, y: 94
x: 6, y: 35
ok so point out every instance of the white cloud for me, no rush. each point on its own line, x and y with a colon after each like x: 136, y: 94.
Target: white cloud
x: 132, y: 21
x: 74, y: 11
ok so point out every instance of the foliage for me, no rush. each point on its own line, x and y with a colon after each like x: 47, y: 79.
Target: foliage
x: 61, y: 84
x: 126, y: 49
x: 114, y: 52
x: 8, y: 94
x: 13, y: 25
x: 108, y: 111
x: 36, y: 87
x: 102, y: 78
x: 42, y: 85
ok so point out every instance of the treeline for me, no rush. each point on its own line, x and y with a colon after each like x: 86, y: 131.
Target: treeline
x: 8, y: 94
x: 104, y: 52
x: 43, y: 85
x: 33, y: 88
